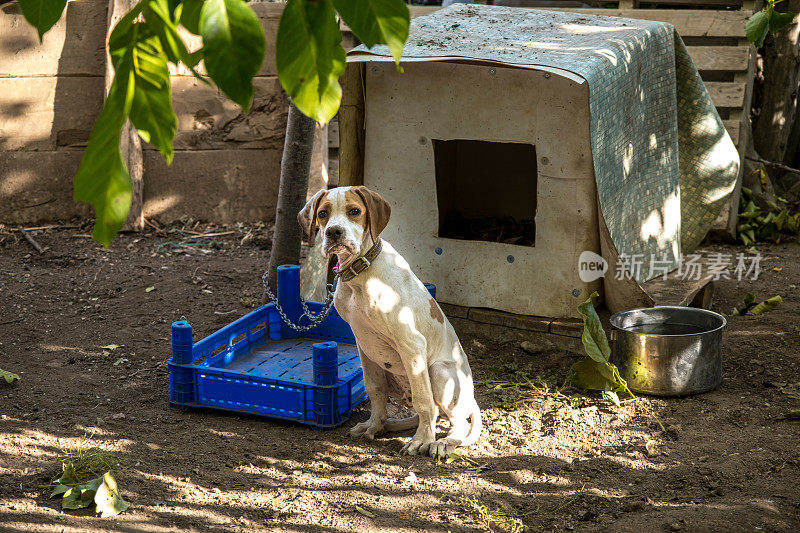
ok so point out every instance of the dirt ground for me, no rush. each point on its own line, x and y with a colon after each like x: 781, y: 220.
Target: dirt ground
x: 724, y: 463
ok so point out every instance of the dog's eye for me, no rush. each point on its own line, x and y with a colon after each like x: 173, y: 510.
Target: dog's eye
x: 354, y: 212
x: 322, y: 214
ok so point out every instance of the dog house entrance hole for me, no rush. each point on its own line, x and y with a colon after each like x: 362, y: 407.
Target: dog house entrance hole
x: 486, y: 191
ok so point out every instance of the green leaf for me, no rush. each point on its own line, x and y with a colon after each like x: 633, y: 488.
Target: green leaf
x: 151, y: 288
x: 80, y: 496
x: 594, y: 337
x: 42, y: 14
x: 791, y: 415
x: 190, y: 15
x: 118, y: 361
x: 59, y: 489
x: 112, y: 346
x: 102, y: 179
x: 377, y: 22
x: 766, y: 306
x: 778, y: 21
x: 757, y: 27
x: 93, y: 484
x: 8, y: 376
x: 77, y: 498
x: 68, y: 477
x: 122, y: 34
x: 108, y: 500
x: 310, y: 57
x: 592, y: 375
x: 749, y: 302
x: 364, y: 512
x: 234, y: 46
x: 159, y: 20
x: 451, y: 458
x: 151, y: 110
x: 612, y: 397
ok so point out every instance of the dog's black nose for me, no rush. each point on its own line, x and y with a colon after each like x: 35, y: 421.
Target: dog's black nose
x: 334, y: 232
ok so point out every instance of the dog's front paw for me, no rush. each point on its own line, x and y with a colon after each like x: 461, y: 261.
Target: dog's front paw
x: 416, y: 446
x: 441, y: 449
x: 366, y: 429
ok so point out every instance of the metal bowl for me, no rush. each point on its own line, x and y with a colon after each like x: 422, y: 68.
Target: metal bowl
x: 668, y: 351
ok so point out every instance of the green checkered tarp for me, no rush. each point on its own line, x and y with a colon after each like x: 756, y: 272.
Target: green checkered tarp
x: 663, y: 162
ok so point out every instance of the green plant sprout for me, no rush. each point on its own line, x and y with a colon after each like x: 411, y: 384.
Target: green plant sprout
x: 595, y: 371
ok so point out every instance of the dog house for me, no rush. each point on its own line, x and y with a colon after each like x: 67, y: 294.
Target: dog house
x: 513, y: 141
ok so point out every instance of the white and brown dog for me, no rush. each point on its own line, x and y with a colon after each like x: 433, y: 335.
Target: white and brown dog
x: 408, y: 348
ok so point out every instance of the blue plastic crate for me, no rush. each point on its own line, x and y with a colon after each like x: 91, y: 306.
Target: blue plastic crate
x: 259, y: 365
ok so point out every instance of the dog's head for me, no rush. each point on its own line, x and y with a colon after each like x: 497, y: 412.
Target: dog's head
x: 351, y: 219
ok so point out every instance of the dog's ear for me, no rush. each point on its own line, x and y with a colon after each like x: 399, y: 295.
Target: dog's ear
x: 378, y: 210
x: 307, y: 217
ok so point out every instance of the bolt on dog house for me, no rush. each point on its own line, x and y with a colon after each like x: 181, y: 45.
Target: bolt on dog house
x: 515, y: 140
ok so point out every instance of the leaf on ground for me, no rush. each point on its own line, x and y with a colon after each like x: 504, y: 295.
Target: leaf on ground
x: 151, y: 288
x: 595, y: 372
x: 749, y: 303
x: 59, y: 489
x: 611, y: 396
x: 590, y: 374
x: 112, y: 346
x: 361, y: 510
x: 766, y: 306
x: 108, y: 501
x: 652, y: 448
x: 80, y: 496
x: 68, y: 475
x: 118, y: 361
x: 8, y: 376
x: 594, y: 337
x: 77, y: 498
x: 451, y: 458
x: 791, y: 415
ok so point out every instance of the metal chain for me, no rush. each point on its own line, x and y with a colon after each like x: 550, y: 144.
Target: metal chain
x: 316, y: 320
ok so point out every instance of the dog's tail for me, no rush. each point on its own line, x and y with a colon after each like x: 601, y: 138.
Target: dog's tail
x: 476, y: 427
x: 401, y: 424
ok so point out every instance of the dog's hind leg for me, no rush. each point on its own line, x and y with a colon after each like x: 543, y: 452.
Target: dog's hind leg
x: 401, y: 424
x: 454, y: 394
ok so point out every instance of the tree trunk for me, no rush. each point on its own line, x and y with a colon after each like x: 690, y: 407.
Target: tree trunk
x: 779, y: 91
x: 295, y: 167
x: 129, y: 142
